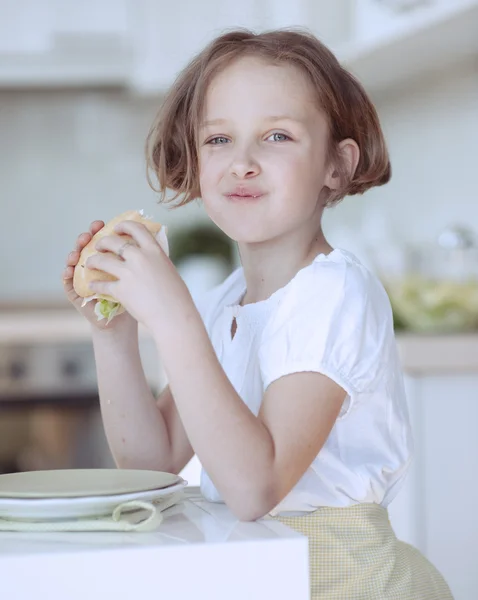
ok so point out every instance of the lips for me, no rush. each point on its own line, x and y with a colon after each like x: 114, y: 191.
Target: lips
x: 244, y: 192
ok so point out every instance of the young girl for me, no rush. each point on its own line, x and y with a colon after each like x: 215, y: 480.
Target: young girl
x: 285, y: 379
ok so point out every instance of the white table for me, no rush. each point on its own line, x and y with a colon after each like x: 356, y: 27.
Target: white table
x: 199, y: 551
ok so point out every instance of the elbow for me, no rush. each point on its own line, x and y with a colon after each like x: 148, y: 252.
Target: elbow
x: 253, y: 504
x: 248, y: 516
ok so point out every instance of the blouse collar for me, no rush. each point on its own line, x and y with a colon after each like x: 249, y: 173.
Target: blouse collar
x: 256, y: 309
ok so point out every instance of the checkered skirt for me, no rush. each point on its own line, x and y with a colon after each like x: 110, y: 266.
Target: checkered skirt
x: 355, y: 555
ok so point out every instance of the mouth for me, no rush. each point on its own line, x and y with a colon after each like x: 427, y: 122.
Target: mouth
x: 243, y: 195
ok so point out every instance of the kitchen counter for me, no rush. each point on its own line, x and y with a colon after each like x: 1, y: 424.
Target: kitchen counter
x: 420, y: 354
x: 45, y: 325
x: 200, y: 550
x: 438, y: 354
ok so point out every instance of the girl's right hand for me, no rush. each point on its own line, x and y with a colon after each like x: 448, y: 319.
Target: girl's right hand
x: 122, y: 320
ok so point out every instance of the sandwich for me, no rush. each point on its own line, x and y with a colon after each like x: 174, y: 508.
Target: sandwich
x: 107, y: 307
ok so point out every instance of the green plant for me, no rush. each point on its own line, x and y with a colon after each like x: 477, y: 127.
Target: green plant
x: 203, y: 240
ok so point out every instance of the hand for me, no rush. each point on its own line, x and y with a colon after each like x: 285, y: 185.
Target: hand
x: 146, y: 279
x: 88, y: 310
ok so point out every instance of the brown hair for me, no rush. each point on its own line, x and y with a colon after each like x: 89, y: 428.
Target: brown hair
x: 171, y: 146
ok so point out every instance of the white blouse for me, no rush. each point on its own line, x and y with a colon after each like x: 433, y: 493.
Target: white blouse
x: 334, y: 318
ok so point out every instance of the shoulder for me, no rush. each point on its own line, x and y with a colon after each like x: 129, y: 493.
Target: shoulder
x: 335, y: 285
x: 334, y: 317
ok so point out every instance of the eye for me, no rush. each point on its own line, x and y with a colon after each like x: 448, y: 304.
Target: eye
x: 219, y: 140
x: 279, y: 137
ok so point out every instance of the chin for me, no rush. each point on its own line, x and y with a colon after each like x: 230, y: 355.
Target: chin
x: 249, y: 236
x: 242, y: 222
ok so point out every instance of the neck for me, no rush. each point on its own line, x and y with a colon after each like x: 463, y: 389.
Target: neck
x: 269, y: 266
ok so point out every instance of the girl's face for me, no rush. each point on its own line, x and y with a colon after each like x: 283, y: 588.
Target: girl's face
x: 262, y: 151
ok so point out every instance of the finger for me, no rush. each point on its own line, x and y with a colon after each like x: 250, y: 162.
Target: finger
x: 67, y: 280
x: 109, y: 263
x: 107, y: 288
x: 96, y: 226
x: 137, y: 231
x: 68, y: 272
x: 72, y: 258
x: 82, y: 240
x: 68, y: 286
x: 114, y: 243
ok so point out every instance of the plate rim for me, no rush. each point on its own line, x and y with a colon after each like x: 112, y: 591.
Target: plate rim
x: 53, y: 509
x: 58, y: 501
x: 28, y: 495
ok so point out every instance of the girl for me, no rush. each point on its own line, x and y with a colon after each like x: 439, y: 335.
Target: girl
x: 285, y: 379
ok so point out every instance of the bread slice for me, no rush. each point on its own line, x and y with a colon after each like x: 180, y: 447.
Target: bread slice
x: 83, y: 276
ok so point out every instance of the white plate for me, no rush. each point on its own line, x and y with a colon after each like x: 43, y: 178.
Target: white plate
x: 52, y: 509
x: 74, y: 483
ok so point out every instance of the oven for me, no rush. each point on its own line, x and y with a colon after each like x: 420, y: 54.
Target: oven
x: 49, y: 406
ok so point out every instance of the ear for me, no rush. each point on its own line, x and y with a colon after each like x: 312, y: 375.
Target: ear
x: 349, y: 153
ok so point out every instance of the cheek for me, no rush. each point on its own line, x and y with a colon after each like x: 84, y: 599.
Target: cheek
x: 295, y: 170
x: 210, y: 184
x: 212, y: 167
x: 310, y: 171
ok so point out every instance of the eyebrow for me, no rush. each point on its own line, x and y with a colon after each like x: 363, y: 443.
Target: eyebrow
x: 274, y: 118
x: 213, y: 122
x: 283, y: 118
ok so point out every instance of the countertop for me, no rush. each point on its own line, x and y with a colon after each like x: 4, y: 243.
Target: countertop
x: 200, y: 550
x: 420, y: 354
x: 49, y: 325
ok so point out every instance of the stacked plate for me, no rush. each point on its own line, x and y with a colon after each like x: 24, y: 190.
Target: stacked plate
x: 79, y: 493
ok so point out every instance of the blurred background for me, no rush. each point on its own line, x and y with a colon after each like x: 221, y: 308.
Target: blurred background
x: 80, y: 83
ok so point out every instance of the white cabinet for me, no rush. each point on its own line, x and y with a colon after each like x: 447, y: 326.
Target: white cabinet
x: 390, y: 48
x: 140, y: 44
x: 24, y: 27
x: 379, y: 19
x: 166, y: 36
x: 63, y: 42
x: 164, y: 41
x: 143, y: 44
x: 450, y: 485
x: 437, y: 511
x: 376, y: 39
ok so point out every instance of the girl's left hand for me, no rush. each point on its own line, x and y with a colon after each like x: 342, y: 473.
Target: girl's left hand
x: 147, y: 282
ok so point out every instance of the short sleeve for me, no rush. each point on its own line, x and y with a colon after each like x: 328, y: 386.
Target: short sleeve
x: 334, y: 319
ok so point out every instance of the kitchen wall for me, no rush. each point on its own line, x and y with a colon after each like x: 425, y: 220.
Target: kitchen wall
x: 68, y: 157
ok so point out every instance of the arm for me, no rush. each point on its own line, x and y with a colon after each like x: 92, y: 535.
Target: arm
x: 253, y: 461
x: 142, y: 433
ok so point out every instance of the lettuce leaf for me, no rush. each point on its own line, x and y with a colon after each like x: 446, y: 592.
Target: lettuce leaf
x: 107, y: 309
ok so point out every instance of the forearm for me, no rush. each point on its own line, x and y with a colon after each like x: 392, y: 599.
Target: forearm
x: 233, y: 445
x: 134, y: 426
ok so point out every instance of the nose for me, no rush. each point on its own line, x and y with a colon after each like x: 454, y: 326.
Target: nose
x: 243, y: 165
